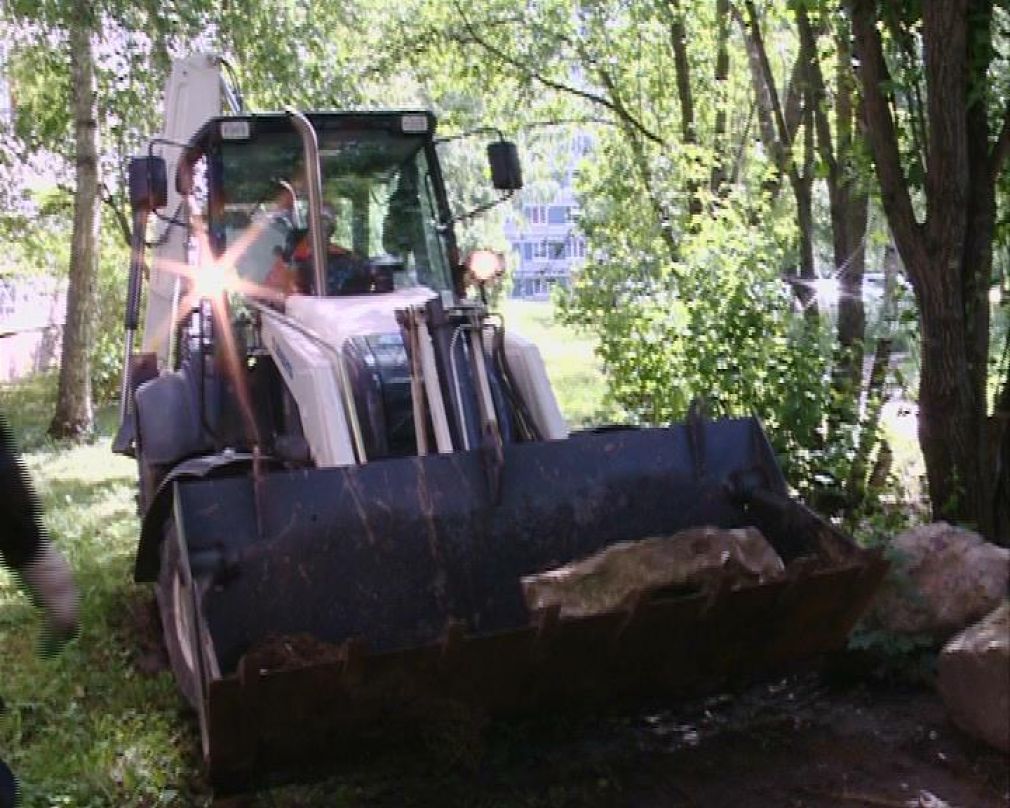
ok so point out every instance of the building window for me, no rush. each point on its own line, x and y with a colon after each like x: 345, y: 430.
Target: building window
x: 540, y: 249
x: 535, y: 214
x: 556, y: 249
x: 527, y: 250
x: 557, y: 214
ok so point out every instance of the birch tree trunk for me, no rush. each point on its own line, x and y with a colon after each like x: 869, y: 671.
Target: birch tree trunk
x: 74, y: 412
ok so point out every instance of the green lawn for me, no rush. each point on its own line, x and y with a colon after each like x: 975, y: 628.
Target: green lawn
x: 573, y: 368
x: 87, y: 728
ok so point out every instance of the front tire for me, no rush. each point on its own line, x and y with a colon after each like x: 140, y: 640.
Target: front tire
x: 175, y: 604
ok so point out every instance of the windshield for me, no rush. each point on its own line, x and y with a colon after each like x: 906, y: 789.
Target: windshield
x: 378, y: 211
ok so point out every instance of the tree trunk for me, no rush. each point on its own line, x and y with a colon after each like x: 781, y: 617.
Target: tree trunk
x: 948, y: 256
x: 848, y: 204
x: 688, y: 125
x: 777, y: 127
x: 74, y: 414
x: 783, y: 152
x: 850, y: 266
x: 999, y: 441
x: 718, y: 177
x: 806, y: 292
x: 950, y: 415
x: 804, y: 189
x: 857, y: 485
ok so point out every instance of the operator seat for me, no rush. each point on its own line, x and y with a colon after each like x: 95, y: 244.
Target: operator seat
x: 346, y: 272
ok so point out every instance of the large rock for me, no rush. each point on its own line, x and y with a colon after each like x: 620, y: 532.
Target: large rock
x: 974, y: 678
x: 943, y: 579
x: 621, y: 573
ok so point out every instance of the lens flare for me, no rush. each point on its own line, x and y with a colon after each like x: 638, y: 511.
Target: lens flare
x: 212, y: 281
x: 216, y: 279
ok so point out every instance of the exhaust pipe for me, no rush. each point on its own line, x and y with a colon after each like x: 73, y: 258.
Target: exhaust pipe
x: 314, y: 181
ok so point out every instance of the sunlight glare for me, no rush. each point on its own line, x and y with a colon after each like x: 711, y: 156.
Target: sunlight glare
x: 213, y: 280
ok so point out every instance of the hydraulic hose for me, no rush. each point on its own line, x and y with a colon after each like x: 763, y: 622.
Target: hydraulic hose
x: 132, y: 315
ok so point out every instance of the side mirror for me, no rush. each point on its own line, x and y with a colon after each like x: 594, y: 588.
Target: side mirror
x: 148, y: 183
x: 506, y: 172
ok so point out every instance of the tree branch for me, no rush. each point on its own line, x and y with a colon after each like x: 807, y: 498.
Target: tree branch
x: 530, y: 125
x: 688, y: 126
x: 593, y: 98
x: 121, y: 221
x: 766, y: 126
x: 777, y: 132
x: 912, y: 88
x: 794, y: 98
x: 881, y: 133
x: 808, y: 49
x: 742, y: 145
x: 644, y: 169
x: 766, y: 70
x: 682, y: 68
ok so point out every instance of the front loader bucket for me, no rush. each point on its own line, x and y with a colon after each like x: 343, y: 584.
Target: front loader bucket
x: 330, y: 603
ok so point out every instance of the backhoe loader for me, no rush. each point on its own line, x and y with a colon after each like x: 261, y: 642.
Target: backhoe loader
x: 350, y: 471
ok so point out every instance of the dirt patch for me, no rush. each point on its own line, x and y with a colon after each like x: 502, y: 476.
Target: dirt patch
x: 800, y: 743
x: 278, y: 652
x: 140, y: 624
x: 793, y: 743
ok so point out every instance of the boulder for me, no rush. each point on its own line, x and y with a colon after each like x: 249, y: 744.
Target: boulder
x: 943, y: 579
x: 974, y: 679
x: 618, y: 575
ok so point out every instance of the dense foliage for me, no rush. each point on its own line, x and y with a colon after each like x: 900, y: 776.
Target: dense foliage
x: 730, y: 169
x: 717, y: 324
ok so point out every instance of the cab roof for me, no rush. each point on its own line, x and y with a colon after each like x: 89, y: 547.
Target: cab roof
x: 408, y: 122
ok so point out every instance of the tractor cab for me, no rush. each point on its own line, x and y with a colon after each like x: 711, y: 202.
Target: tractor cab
x: 381, y: 204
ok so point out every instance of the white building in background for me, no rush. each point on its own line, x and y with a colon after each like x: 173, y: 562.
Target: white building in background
x: 546, y: 242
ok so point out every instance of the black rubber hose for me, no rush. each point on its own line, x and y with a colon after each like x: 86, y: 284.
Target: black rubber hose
x: 525, y: 424
x: 137, y: 249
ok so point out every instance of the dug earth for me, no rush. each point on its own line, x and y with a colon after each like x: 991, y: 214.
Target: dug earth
x: 798, y: 742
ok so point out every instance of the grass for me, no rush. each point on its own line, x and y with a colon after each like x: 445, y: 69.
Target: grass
x: 87, y: 728
x: 572, y: 365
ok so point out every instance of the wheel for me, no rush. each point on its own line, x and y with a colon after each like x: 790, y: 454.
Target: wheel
x: 175, y: 605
